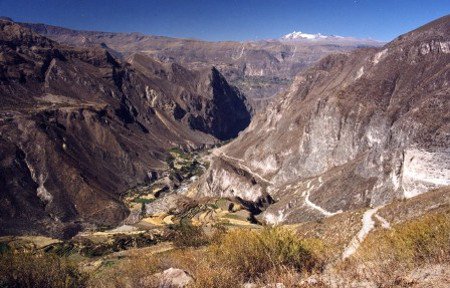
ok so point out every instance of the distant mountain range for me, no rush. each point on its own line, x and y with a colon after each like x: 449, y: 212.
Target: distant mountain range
x: 305, y: 36
x: 301, y: 36
x: 138, y: 141
x: 260, y: 69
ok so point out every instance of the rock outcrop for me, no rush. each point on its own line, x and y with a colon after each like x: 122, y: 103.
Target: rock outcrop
x: 173, y: 278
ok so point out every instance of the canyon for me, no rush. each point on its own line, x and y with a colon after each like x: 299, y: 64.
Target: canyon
x: 116, y: 147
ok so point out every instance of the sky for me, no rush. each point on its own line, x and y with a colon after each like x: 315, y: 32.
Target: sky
x: 232, y: 19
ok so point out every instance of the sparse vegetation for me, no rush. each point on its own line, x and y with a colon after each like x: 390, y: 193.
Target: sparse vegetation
x: 38, y: 269
x: 215, y: 274
x: 128, y: 273
x: 186, y: 235
x: 178, y: 152
x: 229, y: 258
x: 143, y: 200
x: 386, y: 255
x: 412, y: 243
x: 225, y: 258
x: 183, y: 165
x: 253, y: 253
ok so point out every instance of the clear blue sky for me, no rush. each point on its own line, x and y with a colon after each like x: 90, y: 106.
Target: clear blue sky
x: 232, y: 20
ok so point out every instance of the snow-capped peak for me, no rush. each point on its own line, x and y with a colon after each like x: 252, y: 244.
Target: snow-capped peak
x: 300, y: 36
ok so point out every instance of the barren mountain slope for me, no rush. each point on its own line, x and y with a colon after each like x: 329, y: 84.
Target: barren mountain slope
x: 356, y: 130
x: 260, y: 69
x: 78, y: 128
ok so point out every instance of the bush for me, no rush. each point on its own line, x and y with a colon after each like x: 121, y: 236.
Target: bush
x: 137, y: 272
x: 225, y: 259
x: 253, y: 253
x: 143, y: 200
x: 288, y: 276
x: 186, y: 235
x: 27, y: 269
x: 213, y: 274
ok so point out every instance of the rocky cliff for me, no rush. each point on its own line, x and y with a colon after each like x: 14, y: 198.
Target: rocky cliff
x: 356, y: 130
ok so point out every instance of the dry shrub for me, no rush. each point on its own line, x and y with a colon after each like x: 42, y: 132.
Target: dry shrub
x: 231, y: 259
x: 135, y: 272
x: 253, y: 253
x: 387, y: 255
x: 244, y: 255
x: 205, y: 270
x: 413, y: 243
x: 288, y: 276
x: 186, y: 235
x: 213, y: 274
x: 38, y: 269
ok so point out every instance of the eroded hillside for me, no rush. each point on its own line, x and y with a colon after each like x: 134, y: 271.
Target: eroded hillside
x: 79, y: 128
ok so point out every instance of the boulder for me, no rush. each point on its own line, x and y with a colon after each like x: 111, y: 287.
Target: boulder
x: 173, y: 277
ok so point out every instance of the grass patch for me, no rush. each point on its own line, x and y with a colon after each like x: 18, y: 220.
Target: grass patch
x: 38, y: 269
x: 143, y: 200
x: 178, y: 153
x: 225, y: 259
x: 412, y: 243
x: 236, y: 217
x: 213, y: 206
x: 254, y: 253
x: 388, y: 254
x: 186, y: 235
x: 127, y: 273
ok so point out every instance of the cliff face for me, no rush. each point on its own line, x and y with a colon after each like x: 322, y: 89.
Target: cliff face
x: 357, y: 129
x: 78, y: 128
x: 204, y: 100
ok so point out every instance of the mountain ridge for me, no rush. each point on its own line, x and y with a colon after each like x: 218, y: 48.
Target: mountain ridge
x: 260, y: 69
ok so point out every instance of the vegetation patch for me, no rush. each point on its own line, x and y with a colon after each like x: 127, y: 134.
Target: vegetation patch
x: 38, y: 269
x: 143, y: 200
x: 412, y: 243
x: 186, y: 235
x: 255, y: 252
x: 387, y: 254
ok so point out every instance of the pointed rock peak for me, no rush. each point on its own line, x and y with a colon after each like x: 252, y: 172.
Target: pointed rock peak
x: 215, y: 72
x: 214, y: 75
